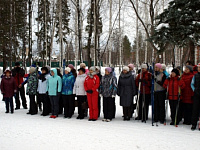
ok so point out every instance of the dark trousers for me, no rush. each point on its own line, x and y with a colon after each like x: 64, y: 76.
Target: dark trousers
x: 33, y: 105
x: 187, y: 113
x: 159, y: 106
x: 144, y: 101
x: 108, y: 107
x: 127, y: 112
x: 114, y: 110
x: 46, y: 103
x: 39, y: 101
x: 54, y: 105
x: 61, y: 106
x: 68, y: 103
x: 9, y: 101
x: 196, y: 109
x: 173, y: 106
x: 81, y: 100
x: 22, y: 95
x: 99, y: 105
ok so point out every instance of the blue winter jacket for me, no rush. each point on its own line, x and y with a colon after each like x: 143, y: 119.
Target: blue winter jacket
x: 54, y: 84
x: 68, y: 84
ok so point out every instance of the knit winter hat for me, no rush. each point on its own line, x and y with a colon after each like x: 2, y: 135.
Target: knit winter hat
x: 71, y: 66
x: 163, y: 66
x: 176, y: 71
x: 7, y: 70
x: 158, y: 65
x: 93, y: 69
x: 178, y: 67
x: 126, y: 68
x: 131, y: 66
x: 189, y: 67
x: 68, y: 69
x: 82, y: 65
x: 32, y: 70
x: 109, y: 69
x: 144, y: 66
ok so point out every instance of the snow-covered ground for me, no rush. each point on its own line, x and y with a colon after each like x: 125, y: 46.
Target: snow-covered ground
x: 20, y: 131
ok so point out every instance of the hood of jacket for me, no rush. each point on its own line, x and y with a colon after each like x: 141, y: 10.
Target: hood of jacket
x: 126, y: 75
x: 55, y: 72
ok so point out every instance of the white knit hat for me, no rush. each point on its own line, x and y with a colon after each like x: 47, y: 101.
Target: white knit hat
x: 82, y: 65
x: 164, y: 67
x: 144, y: 66
x: 93, y: 69
x: 32, y: 69
x: 68, y: 69
x: 126, y: 68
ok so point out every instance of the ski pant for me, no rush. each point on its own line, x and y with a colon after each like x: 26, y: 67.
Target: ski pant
x: 127, y: 112
x: 159, y: 106
x: 81, y: 100
x: 187, y: 113
x: 68, y: 103
x: 99, y: 105
x: 39, y: 101
x: 108, y: 107
x: 173, y: 106
x: 54, y: 104
x: 144, y: 101
x: 93, y: 105
x: 46, y: 103
x: 9, y: 101
x: 22, y: 95
x: 61, y: 104
x: 196, y: 109
x: 33, y: 106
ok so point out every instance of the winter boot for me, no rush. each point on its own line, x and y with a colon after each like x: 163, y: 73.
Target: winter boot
x: 193, y: 127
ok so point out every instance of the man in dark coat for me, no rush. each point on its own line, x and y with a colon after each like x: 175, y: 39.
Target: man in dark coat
x: 18, y: 73
x: 126, y: 90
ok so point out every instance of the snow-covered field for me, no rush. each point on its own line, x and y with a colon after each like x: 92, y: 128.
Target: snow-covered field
x: 20, y: 131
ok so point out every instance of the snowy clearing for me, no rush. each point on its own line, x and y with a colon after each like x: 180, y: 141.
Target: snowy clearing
x: 20, y: 131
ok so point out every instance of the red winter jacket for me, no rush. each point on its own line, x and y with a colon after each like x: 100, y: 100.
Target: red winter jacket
x: 8, y: 87
x: 146, y: 81
x: 187, y: 92
x: 92, y: 83
x: 173, y: 84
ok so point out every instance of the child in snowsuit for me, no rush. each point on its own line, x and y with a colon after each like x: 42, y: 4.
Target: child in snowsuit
x: 8, y: 89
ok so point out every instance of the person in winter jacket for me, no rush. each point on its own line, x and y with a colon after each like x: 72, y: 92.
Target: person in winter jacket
x: 126, y: 90
x: 42, y: 90
x: 159, y: 94
x: 67, y: 93
x: 91, y: 86
x: 195, y: 85
x: 145, y: 95
x: 8, y: 89
x: 173, y: 84
x: 187, y: 95
x: 61, y: 106
x: 165, y: 71
x: 73, y: 70
x: 18, y: 73
x: 83, y: 65
x: 108, y: 90
x: 98, y: 71
x: 31, y: 90
x: 54, y: 88
x: 80, y: 92
x: 131, y: 68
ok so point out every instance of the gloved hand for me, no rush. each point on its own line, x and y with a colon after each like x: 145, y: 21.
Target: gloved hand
x: 89, y: 91
x: 113, y: 96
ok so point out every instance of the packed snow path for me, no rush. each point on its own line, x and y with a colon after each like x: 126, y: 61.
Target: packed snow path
x: 20, y: 131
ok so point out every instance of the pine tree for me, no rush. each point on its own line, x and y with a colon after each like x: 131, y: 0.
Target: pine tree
x: 126, y: 49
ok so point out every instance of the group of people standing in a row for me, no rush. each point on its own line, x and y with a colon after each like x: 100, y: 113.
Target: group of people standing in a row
x: 56, y: 91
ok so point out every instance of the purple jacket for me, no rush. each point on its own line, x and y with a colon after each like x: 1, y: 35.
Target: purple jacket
x: 8, y: 86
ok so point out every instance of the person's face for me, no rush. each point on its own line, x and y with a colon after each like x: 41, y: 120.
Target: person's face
x: 187, y: 70
x: 97, y: 70
x: 125, y: 71
x: 52, y: 73
x: 66, y: 72
x: 7, y: 74
x: 130, y: 68
x: 81, y: 72
x: 91, y: 71
x: 173, y: 74
x: 43, y: 72
x: 106, y: 72
x: 157, y: 69
x: 144, y: 69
